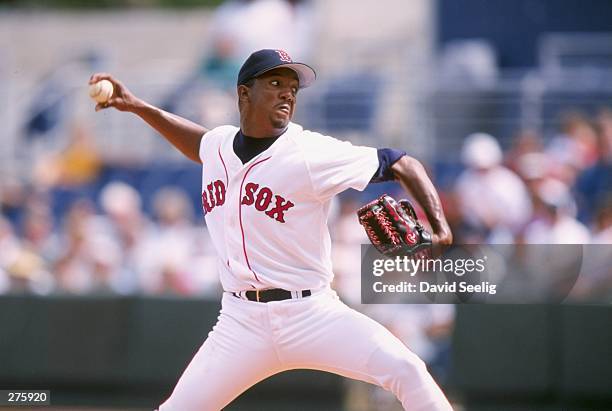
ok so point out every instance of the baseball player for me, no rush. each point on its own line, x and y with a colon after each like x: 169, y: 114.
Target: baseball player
x: 266, y: 192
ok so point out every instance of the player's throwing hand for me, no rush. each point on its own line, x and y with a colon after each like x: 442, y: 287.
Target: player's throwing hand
x: 122, y: 98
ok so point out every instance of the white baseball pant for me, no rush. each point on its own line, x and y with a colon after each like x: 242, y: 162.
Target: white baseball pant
x: 252, y: 341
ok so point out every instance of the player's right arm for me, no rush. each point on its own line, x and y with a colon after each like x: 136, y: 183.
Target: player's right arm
x: 183, y: 134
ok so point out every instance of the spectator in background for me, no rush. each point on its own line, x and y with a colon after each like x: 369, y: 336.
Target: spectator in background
x: 125, y: 224
x: 28, y: 274
x: 535, y: 169
x: 602, y: 226
x: 525, y: 142
x: 107, y: 274
x: 594, y: 184
x: 574, y: 149
x: 175, y: 248
x: 580, y: 129
x: 9, y: 249
x: 219, y: 66
x: 13, y: 196
x: 80, y: 162
x: 101, y: 251
x: 72, y: 268
x: 74, y: 167
x: 21, y: 270
x: 38, y: 232
x: 246, y: 25
x: 555, y: 222
x: 492, y: 200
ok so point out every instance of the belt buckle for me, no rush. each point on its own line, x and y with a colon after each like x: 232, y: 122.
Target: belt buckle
x: 257, y: 295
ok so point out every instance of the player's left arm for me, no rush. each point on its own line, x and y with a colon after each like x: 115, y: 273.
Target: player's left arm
x: 414, y: 179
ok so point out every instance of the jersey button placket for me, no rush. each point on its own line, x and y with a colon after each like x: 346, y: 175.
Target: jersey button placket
x: 241, y: 210
x: 232, y: 241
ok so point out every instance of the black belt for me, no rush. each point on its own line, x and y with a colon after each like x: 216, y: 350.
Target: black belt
x: 273, y: 294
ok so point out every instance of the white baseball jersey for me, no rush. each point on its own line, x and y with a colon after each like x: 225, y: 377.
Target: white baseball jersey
x: 268, y: 217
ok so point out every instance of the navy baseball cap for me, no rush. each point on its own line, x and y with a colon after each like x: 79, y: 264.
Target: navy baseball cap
x: 265, y: 60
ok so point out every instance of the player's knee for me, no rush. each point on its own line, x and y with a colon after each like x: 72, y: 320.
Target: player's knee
x: 408, y: 379
x: 410, y: 371
x: 412, y: 367
x: 395, y: 365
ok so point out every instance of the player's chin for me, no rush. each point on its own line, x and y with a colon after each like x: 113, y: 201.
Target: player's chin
x: 281, y: 120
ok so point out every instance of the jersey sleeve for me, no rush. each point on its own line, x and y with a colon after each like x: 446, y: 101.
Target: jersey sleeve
x: 336, y: 165
x: 211, y: 139
x: 205, y: 138
x: 386, y: 158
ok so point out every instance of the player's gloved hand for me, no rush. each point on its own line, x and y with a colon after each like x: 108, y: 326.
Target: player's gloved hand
x: 122, y: 99
x: 393, y: 227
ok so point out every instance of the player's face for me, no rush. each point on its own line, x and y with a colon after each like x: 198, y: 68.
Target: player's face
x: 272, y: 99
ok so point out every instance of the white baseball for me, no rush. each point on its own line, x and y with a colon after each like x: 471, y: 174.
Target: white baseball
x: 101, y: 91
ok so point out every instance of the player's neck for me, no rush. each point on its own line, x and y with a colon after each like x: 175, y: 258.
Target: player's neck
x: 261, y: 132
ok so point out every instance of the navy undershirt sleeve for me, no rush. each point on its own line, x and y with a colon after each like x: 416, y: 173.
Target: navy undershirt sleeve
x: 386, y: 158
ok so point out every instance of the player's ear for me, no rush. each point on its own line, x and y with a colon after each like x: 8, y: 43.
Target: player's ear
x: 243, y: 93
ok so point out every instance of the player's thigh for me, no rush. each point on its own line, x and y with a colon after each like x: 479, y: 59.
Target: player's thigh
x: 234, y: 357
x: 339, y: 339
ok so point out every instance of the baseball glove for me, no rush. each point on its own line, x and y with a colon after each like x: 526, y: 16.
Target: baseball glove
x: 393, y: 227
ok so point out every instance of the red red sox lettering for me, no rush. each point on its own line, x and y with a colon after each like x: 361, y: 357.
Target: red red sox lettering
x: 213, y: 196
x: 261, y: 198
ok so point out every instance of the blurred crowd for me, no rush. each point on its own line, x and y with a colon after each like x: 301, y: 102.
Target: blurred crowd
x: 539, y: 192
x: 111, y: 247
x: 556, y: 191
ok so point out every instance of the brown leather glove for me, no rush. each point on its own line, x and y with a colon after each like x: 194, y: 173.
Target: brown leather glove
x: 393, y: 227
